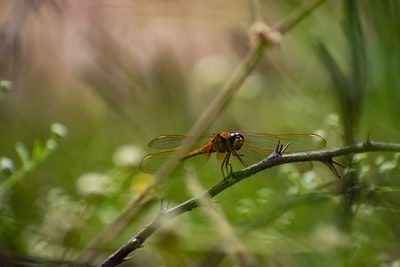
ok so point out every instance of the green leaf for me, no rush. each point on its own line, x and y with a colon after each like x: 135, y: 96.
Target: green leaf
x: 37, y: 152
x: 23, y: 154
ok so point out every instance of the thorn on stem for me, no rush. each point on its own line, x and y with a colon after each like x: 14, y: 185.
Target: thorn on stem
x: 283, y: 148
x: 331, y: 165
x: 279, y: 150
x: 126, y: 259
x: 163, y: 207
x: 368, y: 142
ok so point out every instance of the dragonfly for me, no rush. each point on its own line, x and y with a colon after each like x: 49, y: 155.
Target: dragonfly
x: 231, y: 148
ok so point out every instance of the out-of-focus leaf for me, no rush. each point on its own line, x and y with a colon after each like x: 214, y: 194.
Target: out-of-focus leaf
x: 23, y: 155
x: 37, y: 152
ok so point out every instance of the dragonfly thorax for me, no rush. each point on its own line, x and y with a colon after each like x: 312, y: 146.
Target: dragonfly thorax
x: 226, y: 142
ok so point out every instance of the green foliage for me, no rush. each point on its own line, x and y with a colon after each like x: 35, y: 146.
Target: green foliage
x: 29, y: 160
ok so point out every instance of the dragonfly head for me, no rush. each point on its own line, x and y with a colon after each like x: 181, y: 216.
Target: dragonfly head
x: 236, y: 140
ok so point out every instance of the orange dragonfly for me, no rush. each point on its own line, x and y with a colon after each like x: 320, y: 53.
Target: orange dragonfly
x: 232, y: 148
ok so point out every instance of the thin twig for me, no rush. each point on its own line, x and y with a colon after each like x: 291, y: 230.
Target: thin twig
x: 274, y: 160
x: 255, y: 11
x: 297, y: 16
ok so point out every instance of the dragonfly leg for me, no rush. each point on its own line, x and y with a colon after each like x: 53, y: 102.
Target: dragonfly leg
x: 226, y: 166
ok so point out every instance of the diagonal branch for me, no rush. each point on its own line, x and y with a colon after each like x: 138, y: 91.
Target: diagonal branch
x: 273, y: 160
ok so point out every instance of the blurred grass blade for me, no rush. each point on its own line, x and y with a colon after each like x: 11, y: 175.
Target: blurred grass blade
x: 337, y: 76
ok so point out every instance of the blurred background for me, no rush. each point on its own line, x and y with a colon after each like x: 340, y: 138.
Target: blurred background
x: 109, y: 76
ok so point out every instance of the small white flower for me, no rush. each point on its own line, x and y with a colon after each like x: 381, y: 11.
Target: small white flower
x: 58, y: 129
x: 6, y: 165
x: 128, y: 156
x: 92, y: 184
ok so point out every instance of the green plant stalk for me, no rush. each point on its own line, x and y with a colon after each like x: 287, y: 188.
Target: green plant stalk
x: 15, y: 178
x: 27, y: 166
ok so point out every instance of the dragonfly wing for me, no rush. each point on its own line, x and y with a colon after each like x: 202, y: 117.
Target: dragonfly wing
x: 251, y: 154
x: 152, y: 162
x: 258, y: 146
x: 171, y: 141
x: 297, y: 142
x: 167, y: 141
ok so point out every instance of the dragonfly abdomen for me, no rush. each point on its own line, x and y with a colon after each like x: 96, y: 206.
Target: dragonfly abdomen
x: 207, y: 149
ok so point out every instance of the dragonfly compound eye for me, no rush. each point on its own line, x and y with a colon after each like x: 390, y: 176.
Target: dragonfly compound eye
x: 236, y: 140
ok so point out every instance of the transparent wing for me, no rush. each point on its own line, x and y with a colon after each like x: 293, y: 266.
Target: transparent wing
x: 152, y: 162
x: 167, y: 141
x: 168, y: 144
x: 170, y: 141
x: 298, y: 142
x: 258, y: 146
